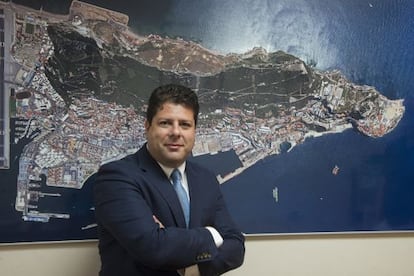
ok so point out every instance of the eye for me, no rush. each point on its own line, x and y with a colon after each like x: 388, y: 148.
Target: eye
x: 186, y: 125
x: 163, y: 123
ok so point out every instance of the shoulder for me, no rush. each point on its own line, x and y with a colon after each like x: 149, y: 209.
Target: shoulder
x: 195, y: 167
x: 139, y: 159
x: 124, y: 162
x: 130, y: 166
x: 201, y: 173
x: 126, y: 172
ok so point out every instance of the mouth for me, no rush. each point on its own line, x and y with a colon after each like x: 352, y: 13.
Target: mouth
x: 173, y: 147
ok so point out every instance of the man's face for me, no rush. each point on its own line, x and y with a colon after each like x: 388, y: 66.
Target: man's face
x: 171, y: 134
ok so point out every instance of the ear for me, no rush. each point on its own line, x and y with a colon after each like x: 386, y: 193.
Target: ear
x: 146, y: 125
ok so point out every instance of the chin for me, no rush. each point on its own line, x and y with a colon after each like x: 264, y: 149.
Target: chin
x: 172, y: 160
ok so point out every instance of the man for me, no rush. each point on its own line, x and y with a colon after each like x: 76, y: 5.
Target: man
x: 142, y: 224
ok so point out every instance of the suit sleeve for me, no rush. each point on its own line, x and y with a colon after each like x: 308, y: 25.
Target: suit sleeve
x: 124, y: 217
x: 231, y: 253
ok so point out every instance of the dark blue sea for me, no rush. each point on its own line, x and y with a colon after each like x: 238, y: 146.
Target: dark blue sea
x: 371, y: 42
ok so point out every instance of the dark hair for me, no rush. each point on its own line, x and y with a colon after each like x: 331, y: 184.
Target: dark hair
x: 172, y: 93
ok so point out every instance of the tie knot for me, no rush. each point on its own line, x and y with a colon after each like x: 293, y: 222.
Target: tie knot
x: 176, y: 176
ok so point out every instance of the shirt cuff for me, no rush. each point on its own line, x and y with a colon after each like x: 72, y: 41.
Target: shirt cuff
x: 192, y: 271
x: 218, y: 240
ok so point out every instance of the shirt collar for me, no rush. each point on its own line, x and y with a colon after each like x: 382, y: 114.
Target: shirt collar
x: 168, y: 170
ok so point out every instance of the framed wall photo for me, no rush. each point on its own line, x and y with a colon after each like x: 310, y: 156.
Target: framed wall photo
x: 306, y: 108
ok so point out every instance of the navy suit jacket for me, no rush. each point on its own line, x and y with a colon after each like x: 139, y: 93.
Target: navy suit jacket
x: 127, y: 194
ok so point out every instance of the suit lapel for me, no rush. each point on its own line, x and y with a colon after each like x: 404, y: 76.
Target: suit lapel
x: 157, y: 179
x: 196, y: 196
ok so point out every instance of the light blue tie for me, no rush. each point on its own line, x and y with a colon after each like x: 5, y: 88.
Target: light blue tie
x: 181, y: 193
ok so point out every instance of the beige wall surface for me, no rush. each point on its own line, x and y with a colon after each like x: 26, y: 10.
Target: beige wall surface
x: 322, y: 255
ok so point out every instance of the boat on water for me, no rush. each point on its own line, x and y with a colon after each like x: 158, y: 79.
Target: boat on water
x: 276, y: 194
x: 92, y: 225
x: 335, y: 170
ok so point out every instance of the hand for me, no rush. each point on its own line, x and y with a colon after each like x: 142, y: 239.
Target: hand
x: 159, y: 222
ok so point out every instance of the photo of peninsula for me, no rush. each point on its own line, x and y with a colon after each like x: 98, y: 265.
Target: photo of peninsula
x: 306, y: 108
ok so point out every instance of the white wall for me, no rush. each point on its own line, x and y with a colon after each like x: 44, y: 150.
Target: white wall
x: 321, y: 255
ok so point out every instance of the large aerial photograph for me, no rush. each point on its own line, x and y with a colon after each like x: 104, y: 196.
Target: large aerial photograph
x: 306, y: 108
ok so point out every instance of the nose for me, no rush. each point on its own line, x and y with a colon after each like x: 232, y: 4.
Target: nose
x: 175, y: 129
